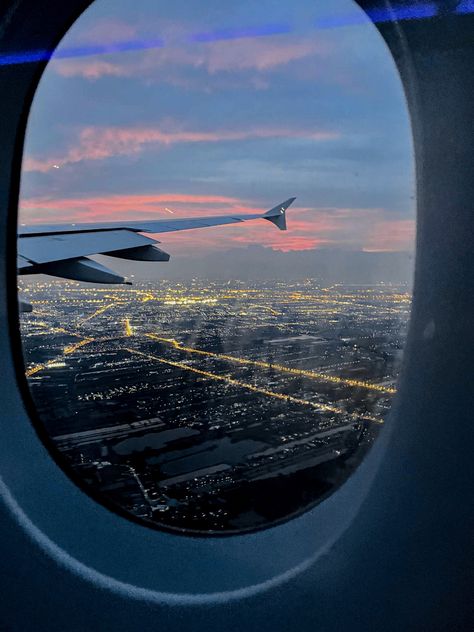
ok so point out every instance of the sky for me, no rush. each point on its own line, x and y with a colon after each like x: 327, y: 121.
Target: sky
x: 211, y: 108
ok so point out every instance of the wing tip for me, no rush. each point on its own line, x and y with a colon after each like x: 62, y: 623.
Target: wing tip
x: 277, y: 214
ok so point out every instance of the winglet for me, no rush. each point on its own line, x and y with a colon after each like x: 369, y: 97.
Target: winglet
x: 277, y: 214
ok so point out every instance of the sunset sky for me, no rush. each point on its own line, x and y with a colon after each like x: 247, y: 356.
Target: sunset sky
x: 219, y: 107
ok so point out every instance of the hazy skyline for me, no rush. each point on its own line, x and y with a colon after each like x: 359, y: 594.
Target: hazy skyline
x: 214, y: 115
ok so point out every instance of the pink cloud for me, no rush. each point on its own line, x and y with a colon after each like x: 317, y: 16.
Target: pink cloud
x: 308, y: 228
x: 162, y: 64
x: 91, y: 69
x: 388, y: 235
x: 99, y: 143
x: 356, y: 229
x: 117, y: 207
x: 258, y: 54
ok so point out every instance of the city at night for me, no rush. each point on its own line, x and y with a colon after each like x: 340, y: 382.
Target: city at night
x: 213, y: 406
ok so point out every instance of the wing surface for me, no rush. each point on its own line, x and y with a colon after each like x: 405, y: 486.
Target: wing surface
x: 59, y: 246
x: 144, y: 226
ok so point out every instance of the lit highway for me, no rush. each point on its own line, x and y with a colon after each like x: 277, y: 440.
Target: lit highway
x: 250, y: 387
x: 277, y: 367
x: 223, y: 378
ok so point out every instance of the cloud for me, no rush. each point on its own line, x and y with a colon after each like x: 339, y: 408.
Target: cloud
x: 389, y: 235
x: 99, y: 143
x: 118, y: 207
x: 308, y: 228
x: 167, y: 64
x: 258, y: 54
x: 91, y: 69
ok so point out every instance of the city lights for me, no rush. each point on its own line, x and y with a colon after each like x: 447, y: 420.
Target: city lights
x: 192, y: 404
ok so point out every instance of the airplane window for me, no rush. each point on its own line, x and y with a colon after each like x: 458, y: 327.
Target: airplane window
x: 242, y: 381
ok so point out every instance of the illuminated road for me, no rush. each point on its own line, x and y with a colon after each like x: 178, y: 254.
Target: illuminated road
x: 66, y: 351
x: 128, y: 328
x: 324, y: 377
x: 251, y: 387
x: 99, y: 311
x: 214, y: 376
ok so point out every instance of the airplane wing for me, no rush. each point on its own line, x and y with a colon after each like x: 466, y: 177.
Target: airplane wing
x: 62, y: 249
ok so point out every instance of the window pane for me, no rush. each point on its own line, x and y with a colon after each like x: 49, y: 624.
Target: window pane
x: 244, y: 380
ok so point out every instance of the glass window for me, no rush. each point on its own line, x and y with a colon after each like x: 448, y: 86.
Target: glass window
x: 244, y: 380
